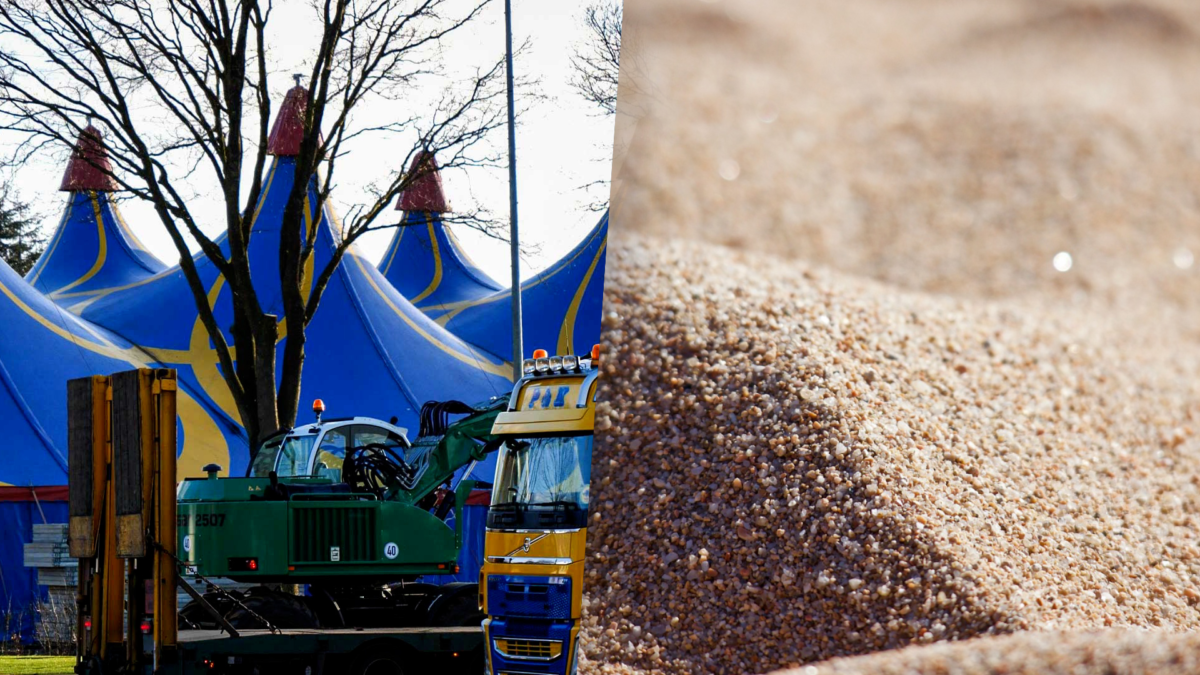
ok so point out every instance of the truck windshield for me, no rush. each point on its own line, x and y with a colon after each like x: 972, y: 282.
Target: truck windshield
x: 292, y: 453
x: 545, y: 471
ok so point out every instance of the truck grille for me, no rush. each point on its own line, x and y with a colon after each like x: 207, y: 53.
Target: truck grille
x: 531, y: 650
x: 323, y: 534
x: 529, y: 596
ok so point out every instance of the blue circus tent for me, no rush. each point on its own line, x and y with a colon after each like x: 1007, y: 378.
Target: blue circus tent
x: 370, y: 352
x: 92, y: 248
x: 560, y: 305
x: 424, y: 261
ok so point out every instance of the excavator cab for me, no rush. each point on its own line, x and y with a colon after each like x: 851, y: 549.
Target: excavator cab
x: 318, y: 450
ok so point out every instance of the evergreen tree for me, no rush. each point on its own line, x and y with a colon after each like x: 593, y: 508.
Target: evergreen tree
x: 20, y: 241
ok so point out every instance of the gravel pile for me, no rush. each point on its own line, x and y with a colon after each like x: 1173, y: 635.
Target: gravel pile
x: 852, y: 403
x: 1111, y: 651
x: 796, y: 465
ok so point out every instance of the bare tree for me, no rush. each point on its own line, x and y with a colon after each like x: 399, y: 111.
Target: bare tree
x: 595, y: 68
x: 179, y: 89
x: 598, y: 60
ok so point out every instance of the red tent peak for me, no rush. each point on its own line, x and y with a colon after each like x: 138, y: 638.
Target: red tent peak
x: 89, y: 168
x: 424, y: 193
x: 288, y: 131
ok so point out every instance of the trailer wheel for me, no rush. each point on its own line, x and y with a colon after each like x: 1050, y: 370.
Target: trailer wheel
x: 378, y: 659
x: 279, y: 609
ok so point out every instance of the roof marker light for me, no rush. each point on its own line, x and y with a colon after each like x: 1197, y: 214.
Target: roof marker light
x: 595, y: 352
x: 540, y: 354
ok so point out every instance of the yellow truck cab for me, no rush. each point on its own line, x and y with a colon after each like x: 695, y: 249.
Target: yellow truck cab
x: 531, y: 584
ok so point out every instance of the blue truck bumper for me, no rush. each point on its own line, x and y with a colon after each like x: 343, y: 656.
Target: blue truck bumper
x: 499, y: 631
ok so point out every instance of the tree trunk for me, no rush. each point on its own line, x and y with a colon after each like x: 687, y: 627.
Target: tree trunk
x: 293, y: 234
x: 264, y: 377
x: 243, y: 342
x: 293, y: 367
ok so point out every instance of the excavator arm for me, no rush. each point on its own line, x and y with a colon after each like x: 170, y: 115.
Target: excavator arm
x: 465, y: 441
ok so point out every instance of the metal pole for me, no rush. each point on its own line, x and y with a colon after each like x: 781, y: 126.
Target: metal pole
x: 515, y: 242
x: 518, y: 351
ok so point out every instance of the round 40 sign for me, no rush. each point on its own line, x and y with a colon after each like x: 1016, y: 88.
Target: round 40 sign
x: 391, y: 550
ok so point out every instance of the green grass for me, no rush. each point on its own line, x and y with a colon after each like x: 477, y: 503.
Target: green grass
x: 36, y: 665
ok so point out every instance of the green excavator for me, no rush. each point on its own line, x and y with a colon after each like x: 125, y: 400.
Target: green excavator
x: 336, y: 521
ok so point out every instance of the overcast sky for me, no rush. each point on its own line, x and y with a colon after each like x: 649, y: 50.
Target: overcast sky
x: 563, y: 142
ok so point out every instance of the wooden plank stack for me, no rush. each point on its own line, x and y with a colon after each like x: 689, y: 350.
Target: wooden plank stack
x: 59, y: 573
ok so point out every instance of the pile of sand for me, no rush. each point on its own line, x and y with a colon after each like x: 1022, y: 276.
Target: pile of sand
x: 860, y: 408
x: 1111, y: 651
x: 795, y: 465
